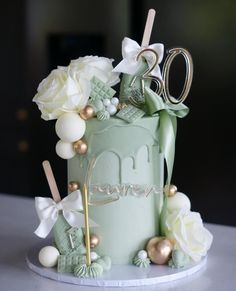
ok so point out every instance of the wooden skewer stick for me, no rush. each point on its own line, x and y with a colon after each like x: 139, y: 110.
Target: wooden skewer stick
x: 51, y: 181
x: 86, y: 219
x: 148, y: 27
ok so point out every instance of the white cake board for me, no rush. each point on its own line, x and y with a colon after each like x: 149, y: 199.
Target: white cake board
x: 119, y: 275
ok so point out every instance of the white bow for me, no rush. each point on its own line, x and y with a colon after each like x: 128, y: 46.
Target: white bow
x: 131, y: 49
x: 47, y: 210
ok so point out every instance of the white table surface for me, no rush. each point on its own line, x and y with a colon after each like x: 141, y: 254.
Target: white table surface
x: 18, y: 221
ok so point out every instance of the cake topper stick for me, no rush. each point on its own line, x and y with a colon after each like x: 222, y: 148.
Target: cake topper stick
x: 87, y: 235
x: 148, y: 27
x: 51, y: 181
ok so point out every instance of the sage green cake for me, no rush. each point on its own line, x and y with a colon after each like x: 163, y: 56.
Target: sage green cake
x: 124, y: 183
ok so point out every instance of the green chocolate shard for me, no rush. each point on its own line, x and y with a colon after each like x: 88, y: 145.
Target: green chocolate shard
x: 130, y: 113
x: 99, y: 90
x: 68, y: 239
x: 67, y: 263
x: 126, y: 81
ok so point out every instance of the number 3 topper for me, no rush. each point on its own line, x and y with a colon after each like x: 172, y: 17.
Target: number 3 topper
x: 163, y: 84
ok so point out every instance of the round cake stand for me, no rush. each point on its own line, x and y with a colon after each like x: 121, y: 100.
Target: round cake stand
x: 119, y: 275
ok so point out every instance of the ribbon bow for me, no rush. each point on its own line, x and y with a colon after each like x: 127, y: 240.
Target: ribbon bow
x: 130, y: 65
x: 167, y: 129
x: 47, y: 210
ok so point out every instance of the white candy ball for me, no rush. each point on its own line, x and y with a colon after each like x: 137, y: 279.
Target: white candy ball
x: 48, y: 256
x: 115, y: 101
x: 70, y: 127
x: 178, y: 201
x: 142, y: 254
x: 65, y: 150
x: 106, y: 102
x: 94, y: 256
x: 111, y: 109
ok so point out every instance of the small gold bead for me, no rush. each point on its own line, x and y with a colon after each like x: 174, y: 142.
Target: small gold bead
x: 170, y: 190
x: 87, y: 112
x: 80, y: 147
x: 94, y: 240
x: 73, y: 186
x: 121, y: 105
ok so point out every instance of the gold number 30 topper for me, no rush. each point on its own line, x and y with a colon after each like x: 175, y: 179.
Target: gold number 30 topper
x: 163, y: 84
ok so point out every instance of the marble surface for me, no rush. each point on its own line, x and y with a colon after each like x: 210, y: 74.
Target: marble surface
x: 18, y: 221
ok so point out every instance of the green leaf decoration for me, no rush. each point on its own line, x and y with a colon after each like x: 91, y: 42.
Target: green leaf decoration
x: 130, y: 113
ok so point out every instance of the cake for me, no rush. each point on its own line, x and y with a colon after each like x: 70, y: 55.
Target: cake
x: 120, y: 149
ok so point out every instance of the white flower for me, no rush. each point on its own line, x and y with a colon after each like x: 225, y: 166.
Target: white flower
x: 60, y: 93
x: 67, y: 89
x: 90, y: 66
x: 187, y: 230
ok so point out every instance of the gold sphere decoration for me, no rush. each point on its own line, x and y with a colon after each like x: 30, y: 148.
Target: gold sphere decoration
x: 94, y: 240
x: 121, y: 105
x: 80, y: 147
x: 159, y: 250
x: 87, y: 112
x: 170, y: 190
x: 73, y: 186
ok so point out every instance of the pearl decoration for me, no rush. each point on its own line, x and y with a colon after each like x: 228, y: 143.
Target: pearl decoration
x: 94, y: 256
x: 80, y: 147
x: 70, y: 127
x: 142, y: 254
x: 48, y: 256
x: 87, y: 112
x: 107, y: 102
x: 111, y: 109
x: 115, y: 101
x: 73, y: 186
x: 159, y: 250
x: 65, y: 150
x: 178, y: 201
x: 94, y: 240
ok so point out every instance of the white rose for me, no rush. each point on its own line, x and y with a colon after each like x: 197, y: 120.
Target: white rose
x: 60, y: 92
x: 90, y: 66
x: 187, y: 230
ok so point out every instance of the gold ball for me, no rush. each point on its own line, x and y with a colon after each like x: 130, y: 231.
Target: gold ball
x: 73, y: 186
x: 87, y: 112
x: 159, y: 250
x: 170, y: 190
x: 80, y: 147
x: 121, y: 105
x: 94, y: 240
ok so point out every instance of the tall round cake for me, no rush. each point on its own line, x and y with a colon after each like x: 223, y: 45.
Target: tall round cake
x: 121, y: 207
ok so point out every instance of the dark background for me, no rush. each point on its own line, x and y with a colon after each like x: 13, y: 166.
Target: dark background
x: 38, y: 35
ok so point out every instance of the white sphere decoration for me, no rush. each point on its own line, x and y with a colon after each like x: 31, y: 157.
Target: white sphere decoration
x: 178, y: 201
x: 142, y: 254
x: 115, y: 101
x: 111, y: 109
x: 94, y: 256
x: 70, y: 127
x: 48, y: 256
x: 106, y: 102
x: 65, y: 150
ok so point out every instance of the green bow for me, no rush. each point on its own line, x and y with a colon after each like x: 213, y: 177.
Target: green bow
x: 168, y: 126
